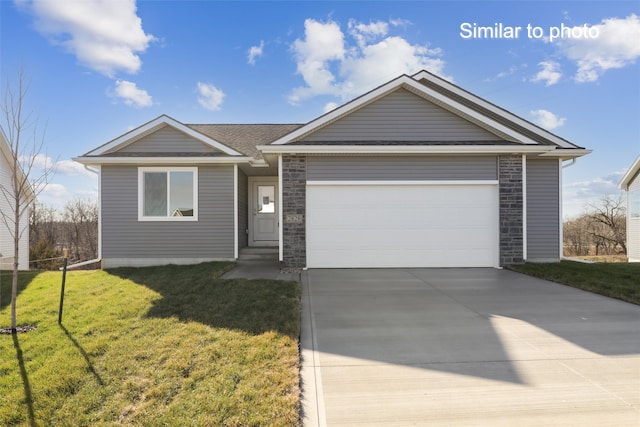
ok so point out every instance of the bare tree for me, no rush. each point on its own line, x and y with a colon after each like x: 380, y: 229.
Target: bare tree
x: 577, y: 240
x: 609, y: 224
x: 43, y: 224
x: 599, y: 230
x: 25, y: 145
x: 81, y: 228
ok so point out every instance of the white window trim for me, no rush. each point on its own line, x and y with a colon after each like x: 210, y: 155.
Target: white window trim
x: 142, y: 170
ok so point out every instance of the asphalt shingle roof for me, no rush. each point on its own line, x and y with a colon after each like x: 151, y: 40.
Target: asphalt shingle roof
x: 245, y: 138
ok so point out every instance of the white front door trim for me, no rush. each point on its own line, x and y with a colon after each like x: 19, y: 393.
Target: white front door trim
x: 263, y: 227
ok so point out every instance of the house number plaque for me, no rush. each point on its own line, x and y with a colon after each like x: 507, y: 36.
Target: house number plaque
x: 293, y: 218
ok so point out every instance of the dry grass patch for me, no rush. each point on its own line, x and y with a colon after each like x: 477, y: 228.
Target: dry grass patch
x: 173, y: 345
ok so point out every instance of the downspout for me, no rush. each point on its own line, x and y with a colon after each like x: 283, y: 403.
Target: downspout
x: 562, y: 166
x: 280, y: 212
x: 98, y: 173
x: 235, y: 211
x: 524, y: 208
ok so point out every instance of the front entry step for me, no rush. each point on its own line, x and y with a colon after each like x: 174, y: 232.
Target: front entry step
x: 258, y: 253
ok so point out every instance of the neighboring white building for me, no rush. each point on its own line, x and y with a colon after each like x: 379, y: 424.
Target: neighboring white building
x: 631, y: 184
x: 6, y: 240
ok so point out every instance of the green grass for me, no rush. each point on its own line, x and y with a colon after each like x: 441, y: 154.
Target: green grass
x: 167, y: 346
x: 615, y: 280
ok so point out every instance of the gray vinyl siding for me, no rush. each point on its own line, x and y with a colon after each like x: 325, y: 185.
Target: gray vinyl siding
x: 401, y: 168
x: 543, y: 210
x: 167, y: 140
x: 401, y: 116
x: 123, y: 236
x: 633, y: 225
x: 243, y: 209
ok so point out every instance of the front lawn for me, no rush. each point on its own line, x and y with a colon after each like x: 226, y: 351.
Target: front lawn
x: 615, y: 280
x: 174, y: 346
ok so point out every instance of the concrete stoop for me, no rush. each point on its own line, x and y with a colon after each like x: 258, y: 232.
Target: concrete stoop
x: 258, y: 253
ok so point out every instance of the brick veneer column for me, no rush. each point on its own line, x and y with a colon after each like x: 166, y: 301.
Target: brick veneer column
x: 294, y: 183
x: 511, y: 209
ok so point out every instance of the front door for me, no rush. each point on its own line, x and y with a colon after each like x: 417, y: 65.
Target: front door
x: 263, y: 212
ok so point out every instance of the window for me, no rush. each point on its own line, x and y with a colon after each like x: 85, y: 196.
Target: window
x: 266, y: 199
x: 168, y: 194
x: 634, y: 203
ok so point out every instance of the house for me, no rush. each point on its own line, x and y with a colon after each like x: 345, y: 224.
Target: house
x: 631, y: 184
x: 7, y: 211
x: 415, y: 173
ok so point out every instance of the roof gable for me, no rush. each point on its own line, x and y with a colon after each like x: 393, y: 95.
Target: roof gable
x: 401, y: 116
x: 119, y: 144
x: 631, y: 175
x: 487, y: 109
x: 167, y: 139
x: 499, y: 122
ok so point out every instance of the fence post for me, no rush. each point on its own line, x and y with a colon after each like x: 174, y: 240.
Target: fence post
x: 64, y: 279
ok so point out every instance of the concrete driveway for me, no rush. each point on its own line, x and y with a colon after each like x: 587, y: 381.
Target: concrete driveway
x: 456, y: 347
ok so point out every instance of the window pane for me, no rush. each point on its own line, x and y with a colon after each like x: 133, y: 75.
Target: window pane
x: 266, y: 199
x: 155, y: 194
x: 634, y: 203
x: 181, y: 193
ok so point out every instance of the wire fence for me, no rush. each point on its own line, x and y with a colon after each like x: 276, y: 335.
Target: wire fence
x: 63, y: 262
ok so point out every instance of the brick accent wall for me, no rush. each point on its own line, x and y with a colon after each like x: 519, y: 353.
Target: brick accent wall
x: 294, y: 184
x: 511, y: 209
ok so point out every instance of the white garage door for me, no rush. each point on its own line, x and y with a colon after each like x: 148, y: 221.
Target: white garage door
x: 422, y: 225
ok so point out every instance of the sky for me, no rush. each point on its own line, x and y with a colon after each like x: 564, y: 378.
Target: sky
x: 99, y: 68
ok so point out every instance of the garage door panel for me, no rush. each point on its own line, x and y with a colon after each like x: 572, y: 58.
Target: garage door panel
x: 401, y: 226
x: 404, y: 258
x: 407, y: 217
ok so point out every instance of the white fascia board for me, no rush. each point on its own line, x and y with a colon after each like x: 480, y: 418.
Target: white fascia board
x: 158, y: 122
x: 416, y: 87
x: 160, y: 160
x: 569, y: 153
x: 493, y: 108
x: 404, y: 149
x: 626, y: 179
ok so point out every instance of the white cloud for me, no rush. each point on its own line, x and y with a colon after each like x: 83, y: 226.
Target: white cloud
x: 106, y: 36
x: 41, y: 162
x: 132, y: 95
x: 71, y: 168
x: 550, y: 73
x: 330, y: 106
x: 399, y: 22
x: 615, y: 46
x: 330, y: 65
x: 38, y: 162
x: 255, y: 52
x: 323, y: 44
x: 577, y: 195
x: 210, y: 96
x: 547, y: 119
x: 510, y: 72
x: 55, y: 190
x: 364, y: 33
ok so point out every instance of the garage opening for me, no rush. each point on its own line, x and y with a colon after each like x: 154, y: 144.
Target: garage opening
x: 402, y: 224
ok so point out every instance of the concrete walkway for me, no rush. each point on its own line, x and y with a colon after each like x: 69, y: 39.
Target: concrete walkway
x: 458, y: 347
x: 260, y: 269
